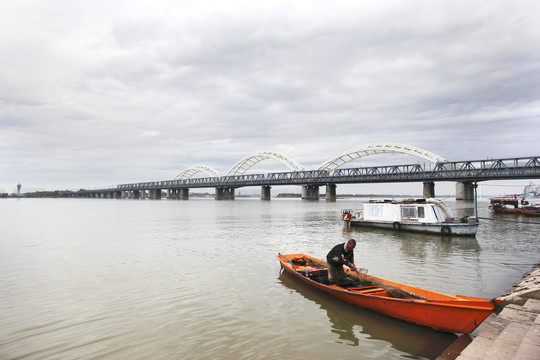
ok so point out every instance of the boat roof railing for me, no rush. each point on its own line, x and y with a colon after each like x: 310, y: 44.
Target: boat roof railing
x: 403, y: 201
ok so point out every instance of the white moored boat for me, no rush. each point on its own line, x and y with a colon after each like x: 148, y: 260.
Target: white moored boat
x: 423, y: 215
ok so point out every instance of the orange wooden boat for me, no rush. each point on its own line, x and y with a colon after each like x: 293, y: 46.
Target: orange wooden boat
x: 456, y: 314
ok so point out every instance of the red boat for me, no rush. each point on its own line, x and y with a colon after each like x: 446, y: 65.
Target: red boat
x: 456, y: 314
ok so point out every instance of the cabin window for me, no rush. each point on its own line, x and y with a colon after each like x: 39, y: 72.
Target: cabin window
x: 421, y: 212
x: 376, y: 211
x: 409, y: 212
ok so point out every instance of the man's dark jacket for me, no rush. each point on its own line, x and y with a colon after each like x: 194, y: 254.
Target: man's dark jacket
x: 339, y: 252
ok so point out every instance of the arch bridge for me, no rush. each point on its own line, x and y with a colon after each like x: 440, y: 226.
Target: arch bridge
x: 466, y: 173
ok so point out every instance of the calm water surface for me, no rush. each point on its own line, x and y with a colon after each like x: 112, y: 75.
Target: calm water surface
x: 198, y: 279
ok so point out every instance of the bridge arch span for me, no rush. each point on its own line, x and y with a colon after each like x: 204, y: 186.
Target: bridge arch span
x: 243, y: 165
x: 378, y: 148
x: 186, y: 174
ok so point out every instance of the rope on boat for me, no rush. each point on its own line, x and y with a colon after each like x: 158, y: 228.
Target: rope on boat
x: 515, y: 221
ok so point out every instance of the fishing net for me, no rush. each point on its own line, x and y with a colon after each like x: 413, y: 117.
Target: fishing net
x: 362, y: 273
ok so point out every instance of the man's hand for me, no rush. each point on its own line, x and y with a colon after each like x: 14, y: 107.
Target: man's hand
x: 353, y: 267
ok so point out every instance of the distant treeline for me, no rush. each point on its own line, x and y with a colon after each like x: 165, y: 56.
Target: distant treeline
x: 40, y: 194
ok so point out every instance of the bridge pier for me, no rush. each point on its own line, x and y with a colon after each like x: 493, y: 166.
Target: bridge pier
x: 228, y: 194
x: 154, y: 194
x: 465, y: 190
x: 183, y: 194
x: 330, y: 192
x: 429, y: 189
x: 218, y: 195
x: 310, y: 192
x: 265, y: 192
x: 224, y: 194
x: 173, y: 194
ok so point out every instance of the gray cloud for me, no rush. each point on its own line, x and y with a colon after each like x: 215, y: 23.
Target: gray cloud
x: 102, y: 93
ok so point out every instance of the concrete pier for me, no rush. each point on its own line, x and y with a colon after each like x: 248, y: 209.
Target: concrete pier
x: 465, y: 190
x: 331, y: 192
x: 184, y: 194
x: 265, y: 192
x: 218, y: 193
x: 429, y: 189
x: 228, y: 194
x: 224, y: 194
x: 511, y: 334
x: 155, y: 194
x: 310, y: 192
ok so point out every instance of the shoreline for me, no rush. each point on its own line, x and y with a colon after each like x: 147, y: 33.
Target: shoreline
x: 511, y: 331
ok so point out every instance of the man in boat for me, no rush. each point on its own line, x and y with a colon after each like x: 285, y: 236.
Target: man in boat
x: 341, y: 254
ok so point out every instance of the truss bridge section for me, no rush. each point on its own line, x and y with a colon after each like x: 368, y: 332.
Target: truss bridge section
x: 466, y: 174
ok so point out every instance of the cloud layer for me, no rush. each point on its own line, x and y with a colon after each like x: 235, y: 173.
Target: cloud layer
x: 101, y: 93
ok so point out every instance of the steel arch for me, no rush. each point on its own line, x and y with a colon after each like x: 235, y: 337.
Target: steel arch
x: 186, y: 174
x: 243, y: 165
x: 378, y: 148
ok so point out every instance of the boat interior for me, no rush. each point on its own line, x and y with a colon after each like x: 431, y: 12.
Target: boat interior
x: 357, y: 283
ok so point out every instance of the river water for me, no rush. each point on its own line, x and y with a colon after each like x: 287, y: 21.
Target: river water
x: 198, y: 279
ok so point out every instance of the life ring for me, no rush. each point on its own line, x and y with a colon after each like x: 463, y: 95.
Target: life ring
x: 446, y: 230
x: 347, y: 217
x: 396, y: 226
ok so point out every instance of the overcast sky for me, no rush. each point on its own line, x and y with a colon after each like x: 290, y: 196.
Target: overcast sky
x: 98, y: 93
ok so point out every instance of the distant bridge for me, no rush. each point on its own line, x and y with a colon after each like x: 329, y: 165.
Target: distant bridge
x: 466, y: 173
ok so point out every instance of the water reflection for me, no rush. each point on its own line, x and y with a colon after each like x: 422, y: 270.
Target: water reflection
x: 415, y: 244
x: 352, y: 324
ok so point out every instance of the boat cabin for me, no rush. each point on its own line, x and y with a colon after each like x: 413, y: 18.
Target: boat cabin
x: 421, y: 211
x: 510, y: 201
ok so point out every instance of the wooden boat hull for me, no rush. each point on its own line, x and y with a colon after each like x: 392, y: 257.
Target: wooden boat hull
x: 454, y: 229
x: 515, y: 205
x: 456, y: 314
x: 531, y: 212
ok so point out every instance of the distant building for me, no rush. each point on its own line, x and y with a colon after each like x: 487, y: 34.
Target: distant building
x: 19, y: 189
x: 531, y: 190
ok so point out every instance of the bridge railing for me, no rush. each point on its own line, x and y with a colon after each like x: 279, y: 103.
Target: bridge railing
x: 298, y: 177
x: 410, y: 172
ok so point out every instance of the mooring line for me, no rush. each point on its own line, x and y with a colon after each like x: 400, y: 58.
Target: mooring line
x: 515, y: 221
